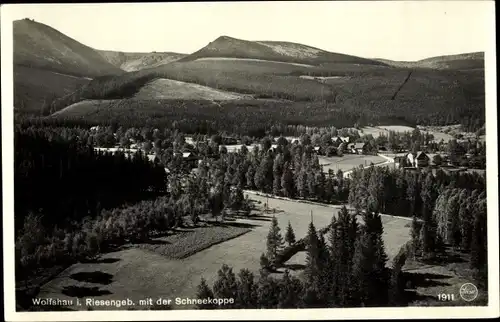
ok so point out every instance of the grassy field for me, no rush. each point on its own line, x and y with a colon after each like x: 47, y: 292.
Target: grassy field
x: 170, y: 89
x: 133, y: 271
x: 348, y: 162
x: 447, y: 132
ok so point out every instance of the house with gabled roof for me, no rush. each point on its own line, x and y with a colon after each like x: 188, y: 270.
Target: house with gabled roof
x: 345, y: 139
x: 318, y: 150
x: 418, y: 160
x: 358, y: 148
x: 336, y: 140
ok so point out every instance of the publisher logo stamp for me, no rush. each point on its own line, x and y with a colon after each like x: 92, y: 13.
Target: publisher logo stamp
x: 468, y: 292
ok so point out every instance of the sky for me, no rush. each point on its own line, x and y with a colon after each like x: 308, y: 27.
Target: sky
x: 398, y: 30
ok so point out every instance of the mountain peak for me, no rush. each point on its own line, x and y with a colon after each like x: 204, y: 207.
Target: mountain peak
x: 224, y: 37
x: 228, y: 47
x: 41, y: 46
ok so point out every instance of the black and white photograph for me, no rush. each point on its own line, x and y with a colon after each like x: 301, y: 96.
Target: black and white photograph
x: 185, y: 160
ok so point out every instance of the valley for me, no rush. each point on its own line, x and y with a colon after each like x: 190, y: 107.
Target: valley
x: 274, y: 173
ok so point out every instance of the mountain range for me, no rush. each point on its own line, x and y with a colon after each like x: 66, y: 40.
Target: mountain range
x: 53, y: 71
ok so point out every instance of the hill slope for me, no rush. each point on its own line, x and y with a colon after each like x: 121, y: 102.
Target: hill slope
x: 451, y: 62
x: 49, y: 64
x: 40, y: 46
x: 35, y: 88
x: 228, y: 47
x: 131, y: 62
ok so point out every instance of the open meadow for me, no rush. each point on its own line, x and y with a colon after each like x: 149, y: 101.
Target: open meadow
x: 145, y: 270
x: 348, y: 162
x: 163, y: 88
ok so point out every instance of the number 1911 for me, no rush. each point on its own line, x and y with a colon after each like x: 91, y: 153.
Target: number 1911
x: 446, y: 297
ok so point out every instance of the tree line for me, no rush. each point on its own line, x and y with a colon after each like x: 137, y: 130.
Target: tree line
x: 348, y: 269
x: 405, y: 193
x: 68, y: 180
x: 469, y: 153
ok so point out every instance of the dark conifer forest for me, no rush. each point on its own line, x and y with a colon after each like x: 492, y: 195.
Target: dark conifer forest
x: 74, y: 202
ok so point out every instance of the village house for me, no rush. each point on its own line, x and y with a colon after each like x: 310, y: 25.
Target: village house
x: 272, y: 148
x: 418, y: 160
x: 190, y: 158
x: 345, y: 139
x: 227, y: 140
x: 336, y: 140
x: 382, y: 148
x: 292, y: 139
x: 358, y: 148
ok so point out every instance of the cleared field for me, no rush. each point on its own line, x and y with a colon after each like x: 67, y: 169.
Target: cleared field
x: 171, y: 89
x: 320, y: 78
x: 348, y: 162
x: 131, y: 271
x: 250, y: 59
x: 397, y: 128
x: 445, y: 133
x: 188, y: 242
x: 376, y: 131
x: 440, y: 133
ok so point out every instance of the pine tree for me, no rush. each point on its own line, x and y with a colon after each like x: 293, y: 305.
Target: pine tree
x: 479, y: 248
x: 342, y: 238
x: 237, y: 198
x: 452, y: 216
x: 466, y: 216
x: 315, y: 295
x: 302, y: 183
x: 277, y: 190
x: 396, y: 287
x: 289, y: 235
x: 287, y: 182
x: 369, y: 269
x: 310, y: 297
x: 323, y: 264
x: 247, y: 290
x: 290, y: 290
x: 274, y: 241
x: 268, y: 292
x: 277, y: 174
x: 204, y: 292
x: 415, y: 236
x: 226, y: 285
x: 429, y: 244
x: 250, y: 175
x: 362, y: 270
x: 264, y: 261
